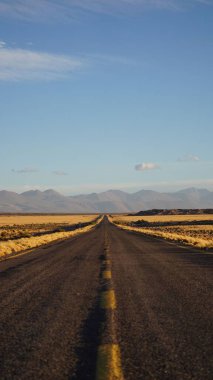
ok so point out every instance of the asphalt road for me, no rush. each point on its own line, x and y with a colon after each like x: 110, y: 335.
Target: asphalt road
x: 49, y: 309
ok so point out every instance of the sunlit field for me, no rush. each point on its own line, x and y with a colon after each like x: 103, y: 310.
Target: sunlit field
x: 8, y: 220
x: 163, y: 218
x: 18, y: 233
x: 18, y: 226
x: 194, y: 234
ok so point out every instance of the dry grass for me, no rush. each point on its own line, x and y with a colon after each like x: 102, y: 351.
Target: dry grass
x: 15, y: 226
x: 200, y: 236
x: 163, y: 218
x: 10, y: 220
x: 13, y: 246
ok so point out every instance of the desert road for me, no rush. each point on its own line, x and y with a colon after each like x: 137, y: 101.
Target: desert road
x: 108, y: 304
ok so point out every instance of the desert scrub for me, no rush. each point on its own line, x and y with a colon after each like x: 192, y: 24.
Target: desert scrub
x: 198, y: 241
x: 16, y: 230
x: 200, y: 236
x: 162, y: 218
x: 13, y: 246
x: 30, y: 219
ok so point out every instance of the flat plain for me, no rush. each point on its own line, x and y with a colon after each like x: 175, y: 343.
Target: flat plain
x: 195, y: 230
x: 20, y: 232
x: 11, y: 219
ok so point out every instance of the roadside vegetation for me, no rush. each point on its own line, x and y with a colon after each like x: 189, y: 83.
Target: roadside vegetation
x: 36, y: 219
x: 195, y: 230
x: 16, y: 236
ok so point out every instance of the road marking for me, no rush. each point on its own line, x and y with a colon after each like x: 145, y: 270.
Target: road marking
x: 107, y: 275
x: 109, y: 363
x: 108, y: 300
x: 106, y: 262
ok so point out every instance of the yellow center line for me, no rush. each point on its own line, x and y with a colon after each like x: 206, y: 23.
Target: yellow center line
x: 106, y: 262
x: 109, y: 363
x: 107, y: 274
x: 108, y: 300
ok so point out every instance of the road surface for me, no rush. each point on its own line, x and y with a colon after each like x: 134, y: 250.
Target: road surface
x: 50, y: 319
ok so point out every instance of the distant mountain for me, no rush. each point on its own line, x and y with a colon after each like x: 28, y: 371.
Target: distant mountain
x: 111, y: 201
x: 176, y: 211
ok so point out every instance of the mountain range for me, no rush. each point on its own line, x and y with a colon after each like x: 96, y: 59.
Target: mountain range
x: 111, y: 201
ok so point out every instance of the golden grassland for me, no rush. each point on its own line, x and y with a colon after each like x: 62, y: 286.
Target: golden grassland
x: 20, y: 226
x: 13, y: 246
x: 9, y: 220
x: 163, y: 218
x: 200, y: 236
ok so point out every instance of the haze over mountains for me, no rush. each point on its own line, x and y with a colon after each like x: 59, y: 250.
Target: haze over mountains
x: 50, y: 201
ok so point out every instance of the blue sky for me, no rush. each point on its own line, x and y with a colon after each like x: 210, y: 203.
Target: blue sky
x: 100, y: 94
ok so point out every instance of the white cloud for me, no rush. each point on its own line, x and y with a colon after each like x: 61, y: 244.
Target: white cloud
x: 146, y: 166
x: 20, y: 64
x: 54, y: 9
x: 23, y: 64
x: 189, y: 158
x: 2, y: 44
x: 25, y: 170
x: 59, y: 172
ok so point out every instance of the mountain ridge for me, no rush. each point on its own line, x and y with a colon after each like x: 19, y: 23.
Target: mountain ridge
x: 111, y: 201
